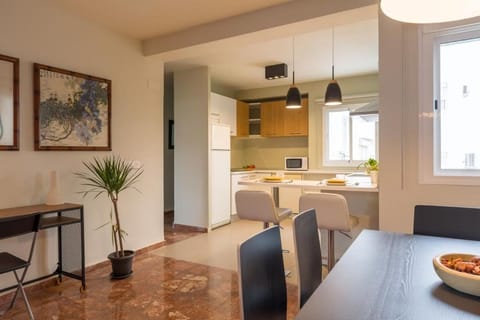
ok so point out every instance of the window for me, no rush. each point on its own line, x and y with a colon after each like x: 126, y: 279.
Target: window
x: 449, y: 123
x: 350, y: 134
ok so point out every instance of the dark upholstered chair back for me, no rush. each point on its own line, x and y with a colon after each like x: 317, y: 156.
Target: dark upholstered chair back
x: 308, y: 254
x: 451, y: 222
x: 263, y: 291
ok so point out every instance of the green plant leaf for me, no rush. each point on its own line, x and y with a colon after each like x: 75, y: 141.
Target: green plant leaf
x: 109, y: 175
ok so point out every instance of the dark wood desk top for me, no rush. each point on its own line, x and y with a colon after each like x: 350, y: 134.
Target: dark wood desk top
x: 390, y: 276
x: 9, y: 213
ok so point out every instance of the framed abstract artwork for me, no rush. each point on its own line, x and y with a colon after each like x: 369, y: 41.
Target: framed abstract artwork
x: 9, y: 103
x: 72, y: 110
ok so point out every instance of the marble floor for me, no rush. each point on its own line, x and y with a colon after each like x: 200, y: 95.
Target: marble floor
x: 192, y: 277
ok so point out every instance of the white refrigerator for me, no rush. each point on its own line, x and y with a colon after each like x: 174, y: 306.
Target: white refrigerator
x: 219, y: 175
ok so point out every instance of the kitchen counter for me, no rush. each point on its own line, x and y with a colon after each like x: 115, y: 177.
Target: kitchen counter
x: 313, y: 184
x: 306, y: 172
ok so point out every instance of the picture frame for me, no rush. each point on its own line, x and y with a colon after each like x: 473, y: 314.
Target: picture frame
x: 9, y: 104
x: 72, y: 110
x: 170, y: 134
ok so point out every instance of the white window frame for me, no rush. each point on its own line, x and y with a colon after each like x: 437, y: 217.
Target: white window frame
x: 347, y: 106
x: 430, y: 39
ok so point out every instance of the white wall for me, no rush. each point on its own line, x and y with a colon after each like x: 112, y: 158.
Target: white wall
x: 400, y: 190
x: 191, y: 100
x: 35, y: 31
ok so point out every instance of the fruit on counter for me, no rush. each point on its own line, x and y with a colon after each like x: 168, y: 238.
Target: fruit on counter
x: 273, y: 178
x: 249, y: 166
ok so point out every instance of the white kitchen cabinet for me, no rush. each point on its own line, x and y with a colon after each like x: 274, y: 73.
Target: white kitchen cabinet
x: 289, y: 197
x: 223, y: 110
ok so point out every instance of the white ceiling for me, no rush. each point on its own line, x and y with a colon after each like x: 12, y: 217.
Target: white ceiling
x: 242, y: 66
x: 144, y: 19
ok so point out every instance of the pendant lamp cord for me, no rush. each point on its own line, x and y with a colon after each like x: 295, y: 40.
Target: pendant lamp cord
x: 333, y: 53
x: 293, y: 55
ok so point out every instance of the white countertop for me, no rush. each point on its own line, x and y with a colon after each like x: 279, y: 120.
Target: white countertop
x: 314, y: 184
x: 274, y: 171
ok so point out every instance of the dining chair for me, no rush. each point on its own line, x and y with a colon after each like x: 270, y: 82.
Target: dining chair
x: 332, y: 214
x: 11, y: 263
x: 308, y: 254
x: 258, y: 205
x: 450, y: 222
x: 263, y: 290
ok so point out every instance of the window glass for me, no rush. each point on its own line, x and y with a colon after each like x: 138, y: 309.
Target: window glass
x: 459, y: 105
x: 349, y: 138
x: 449, y: 111
x: 339, y: 135
x: 364, y: 136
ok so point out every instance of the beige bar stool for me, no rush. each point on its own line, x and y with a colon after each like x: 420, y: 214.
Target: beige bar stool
x: 332, y: 214
x: 259, y: 206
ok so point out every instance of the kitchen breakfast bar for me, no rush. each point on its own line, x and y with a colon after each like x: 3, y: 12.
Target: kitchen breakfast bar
x: 362, y: 196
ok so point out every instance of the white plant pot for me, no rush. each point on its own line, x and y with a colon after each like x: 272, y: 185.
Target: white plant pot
x: 374, y: 177
x: 54, y: 196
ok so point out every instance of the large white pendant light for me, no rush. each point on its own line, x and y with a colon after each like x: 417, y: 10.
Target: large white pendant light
x: 430, y: 11
x: 294, y: 99
x: 333, y: 94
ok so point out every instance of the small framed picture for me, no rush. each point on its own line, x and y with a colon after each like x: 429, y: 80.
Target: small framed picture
x: 72, y: 110
x: 9, y: 103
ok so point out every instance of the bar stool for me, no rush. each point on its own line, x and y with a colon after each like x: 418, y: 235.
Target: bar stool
x: 332, y: 214
x: 259, y: 206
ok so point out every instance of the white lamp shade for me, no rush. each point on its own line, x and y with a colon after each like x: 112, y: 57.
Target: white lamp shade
x: 430, y: 11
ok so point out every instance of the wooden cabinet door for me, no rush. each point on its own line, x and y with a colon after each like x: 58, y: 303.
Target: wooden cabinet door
x: 242, y: 119
x: 272, y: 118
x: 266, y: 119
x: 296, y: 120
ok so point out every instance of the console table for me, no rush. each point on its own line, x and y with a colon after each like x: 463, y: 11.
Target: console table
x: 68, y: 219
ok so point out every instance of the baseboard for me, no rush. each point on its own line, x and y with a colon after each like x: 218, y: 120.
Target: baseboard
x: 185, y: 228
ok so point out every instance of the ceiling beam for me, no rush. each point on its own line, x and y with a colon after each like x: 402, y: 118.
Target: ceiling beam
x: 267, y: 18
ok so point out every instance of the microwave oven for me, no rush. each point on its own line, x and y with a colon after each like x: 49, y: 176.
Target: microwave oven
x: 296, y: 163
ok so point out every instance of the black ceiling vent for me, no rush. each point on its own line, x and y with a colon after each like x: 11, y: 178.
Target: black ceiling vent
x: 276, y: 71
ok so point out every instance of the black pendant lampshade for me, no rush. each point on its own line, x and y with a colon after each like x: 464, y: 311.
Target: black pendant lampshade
x: 294, y: 99
x: 333, y: 95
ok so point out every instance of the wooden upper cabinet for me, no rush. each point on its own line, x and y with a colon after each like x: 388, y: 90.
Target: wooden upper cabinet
x: 296, y: 120
x: 272, y: 118
x: 242, y: 119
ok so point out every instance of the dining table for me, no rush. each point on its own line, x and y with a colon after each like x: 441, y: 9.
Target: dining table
x: 387, y: 275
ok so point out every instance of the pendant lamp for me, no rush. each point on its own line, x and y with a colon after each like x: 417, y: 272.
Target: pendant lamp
x: 430, y: 11
x: 333, y: 95
x: 294, y: 99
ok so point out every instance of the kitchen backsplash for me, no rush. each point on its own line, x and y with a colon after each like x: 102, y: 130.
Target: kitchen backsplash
x: 266, y: 153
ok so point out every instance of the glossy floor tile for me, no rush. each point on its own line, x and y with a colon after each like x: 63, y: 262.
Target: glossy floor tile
x: 219, y: 247
x: 161, y: 287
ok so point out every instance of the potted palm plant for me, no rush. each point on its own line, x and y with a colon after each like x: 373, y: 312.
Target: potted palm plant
x: 372, y: 167
x: 112, y: 175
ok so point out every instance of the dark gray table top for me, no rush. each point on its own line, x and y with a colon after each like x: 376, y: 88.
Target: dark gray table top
x: 390, y: 276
